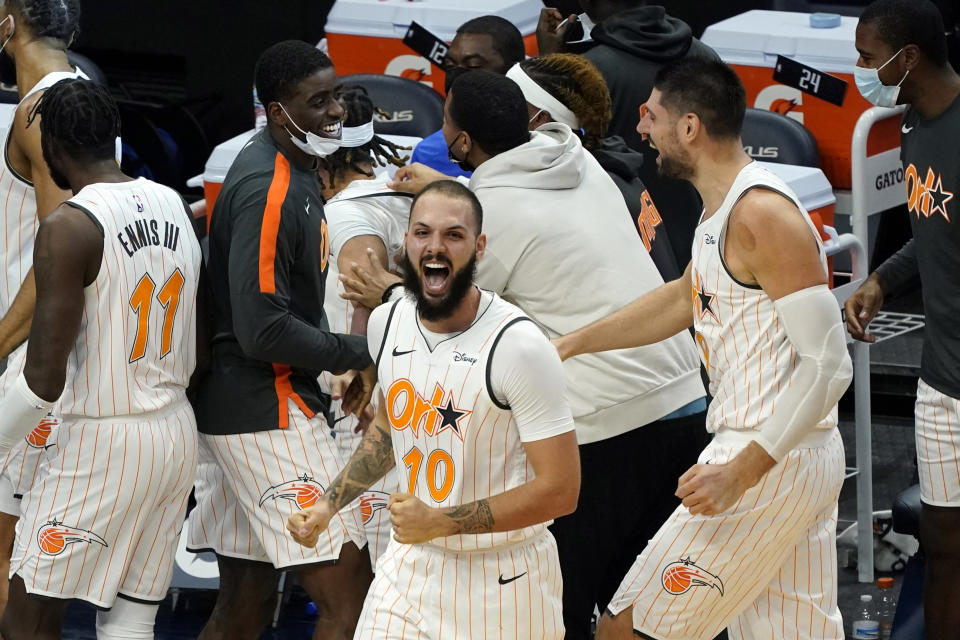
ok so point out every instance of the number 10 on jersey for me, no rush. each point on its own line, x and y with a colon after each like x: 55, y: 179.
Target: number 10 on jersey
x: 439, y: 469
x: 141, y: 302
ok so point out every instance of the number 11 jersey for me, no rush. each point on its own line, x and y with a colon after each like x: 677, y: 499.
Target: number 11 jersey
x: 136, y: 347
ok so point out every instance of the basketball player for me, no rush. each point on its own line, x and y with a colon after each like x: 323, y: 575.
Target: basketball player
x: 752, y: 547
x: 475, y: 420
x: 903, y: 60
x: 266, y: 448
x: 113, y: 340
x: 35, y: 34
x: 364, y: 215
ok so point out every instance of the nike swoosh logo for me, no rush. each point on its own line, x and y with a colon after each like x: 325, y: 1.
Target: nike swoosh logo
x: 906, y: 129
x: 501, y: 579
x: 336, y: 420
x: 401, y: 353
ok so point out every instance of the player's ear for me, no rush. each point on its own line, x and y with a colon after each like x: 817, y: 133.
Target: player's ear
x: 911, y: 56
x: 481, y: 245
x: 276, y: 114
x: 690, y: 126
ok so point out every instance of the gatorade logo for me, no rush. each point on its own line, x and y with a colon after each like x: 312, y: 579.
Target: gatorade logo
x: 781, y: 99
x: 411, y: 67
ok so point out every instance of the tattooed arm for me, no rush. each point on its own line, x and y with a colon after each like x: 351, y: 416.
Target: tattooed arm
x: 550, y: 494
x: 372, y: 459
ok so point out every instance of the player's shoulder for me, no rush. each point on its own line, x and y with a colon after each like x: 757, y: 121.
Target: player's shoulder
x: 765, y: 212
x: 384, y: 314
x: 518, y: 332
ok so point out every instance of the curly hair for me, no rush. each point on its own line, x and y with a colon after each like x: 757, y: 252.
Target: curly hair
x: 56, y: 19
x: 81, y: 117
x: 282, y: 66
x: 577, y: 83
x: 360, y: 110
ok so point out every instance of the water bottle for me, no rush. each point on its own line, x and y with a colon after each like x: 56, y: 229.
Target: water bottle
x: 886, y: 607
x: 259, y: 113
x: 865, y: 624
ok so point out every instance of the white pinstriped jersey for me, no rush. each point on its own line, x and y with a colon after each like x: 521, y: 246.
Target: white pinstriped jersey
x: 746, y: 352
x: 453, y: 441
x: 19, y: 202
x: 135, y: 350
x: 361, y: 209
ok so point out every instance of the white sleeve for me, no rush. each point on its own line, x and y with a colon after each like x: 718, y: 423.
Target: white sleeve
x: 526, y: 374
x: 351, y: 218
x: 812, y: 321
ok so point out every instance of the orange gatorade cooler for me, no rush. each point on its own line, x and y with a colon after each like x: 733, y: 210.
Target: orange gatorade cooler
x: 751, y: 42
x: 366, y: 36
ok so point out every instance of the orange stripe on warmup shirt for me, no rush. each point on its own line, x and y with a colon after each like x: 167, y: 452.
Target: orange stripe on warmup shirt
x: 271, y: 223
x: 284, y: 391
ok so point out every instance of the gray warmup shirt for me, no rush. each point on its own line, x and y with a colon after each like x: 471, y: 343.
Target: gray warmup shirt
x: 930, y: 152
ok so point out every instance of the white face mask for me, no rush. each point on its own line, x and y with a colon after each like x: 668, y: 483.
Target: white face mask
x: 315, y: 145
x: 10, y: 18
x: 873, y: 90
x: 351, y: 137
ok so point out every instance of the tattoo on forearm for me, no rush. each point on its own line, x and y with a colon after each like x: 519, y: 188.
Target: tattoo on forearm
x: 372, y: 459
x: 475, y: 517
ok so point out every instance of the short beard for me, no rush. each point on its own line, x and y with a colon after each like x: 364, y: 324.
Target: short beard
x: 679, y: 167
x: 433, y: 311
x: 675, y: 168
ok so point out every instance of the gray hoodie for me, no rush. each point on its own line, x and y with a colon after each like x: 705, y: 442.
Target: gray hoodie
x: 561, y: 246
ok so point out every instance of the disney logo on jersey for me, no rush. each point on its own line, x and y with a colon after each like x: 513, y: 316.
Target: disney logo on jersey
x: 371, y: 502
x: 464, y: 358
x: 927, y: 196
x: 407, y: 408
x: 54, y: 537
x: 305, y: 491
x: 679, y: 577
x: 39, y: 437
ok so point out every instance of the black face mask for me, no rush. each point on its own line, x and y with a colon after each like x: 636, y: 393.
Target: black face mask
x: 452, y: 74
x: 463, y: 164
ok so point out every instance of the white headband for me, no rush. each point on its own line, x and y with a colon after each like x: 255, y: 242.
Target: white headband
x: 541, y: 99
x: 356, y: 136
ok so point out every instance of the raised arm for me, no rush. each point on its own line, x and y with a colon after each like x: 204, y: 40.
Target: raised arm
x: 655, y: 316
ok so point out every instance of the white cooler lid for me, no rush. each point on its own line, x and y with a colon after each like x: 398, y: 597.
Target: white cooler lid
x: 390, y: 18
x: 809, y: 183
x: 755, y: 38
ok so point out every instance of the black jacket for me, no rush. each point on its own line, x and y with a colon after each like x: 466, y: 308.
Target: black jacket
x: 269, y: 248
x: 623, y: 164
x: 630, y: 47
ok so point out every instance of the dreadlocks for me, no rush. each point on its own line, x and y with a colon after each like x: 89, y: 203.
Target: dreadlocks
x: 56, y: 19
x: 378, y: 152
x: 80, y: 118
x: 577, y: 83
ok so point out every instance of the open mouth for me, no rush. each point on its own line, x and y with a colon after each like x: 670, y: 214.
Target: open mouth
x: 436, y: 277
